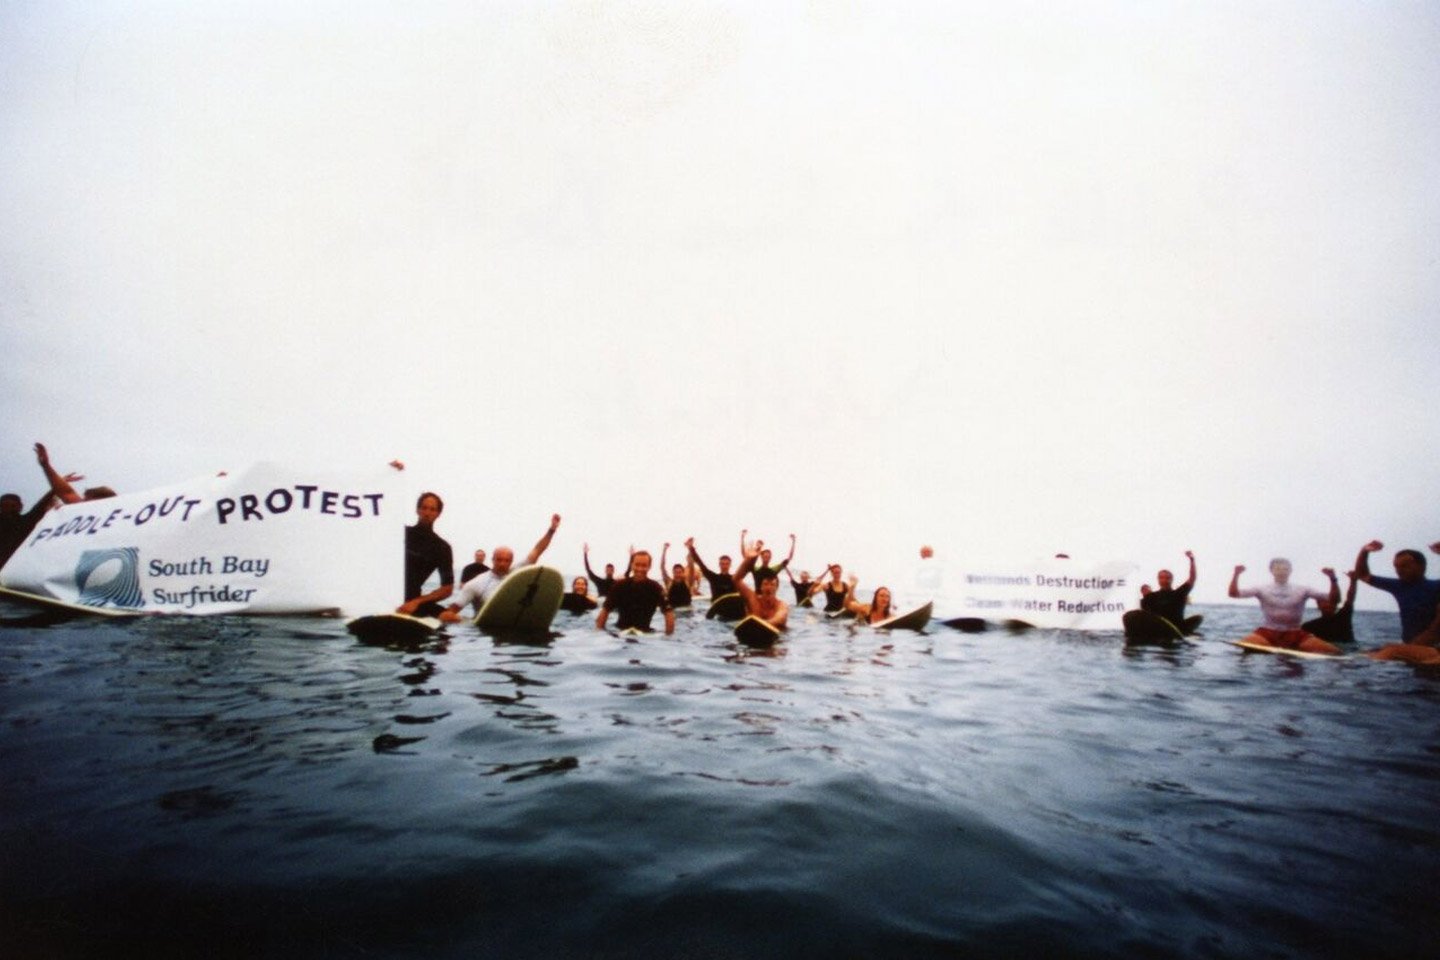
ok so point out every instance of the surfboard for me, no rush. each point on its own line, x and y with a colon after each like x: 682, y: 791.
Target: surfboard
x: 754, y: 632
x: 913, y: 620
x: 730, y: 606
x: 525, y: 601
x: 51, y: 603
x: 1142, y: 626
x: 1284, y: 652
x: 392, y: 628
x: 967, y: 624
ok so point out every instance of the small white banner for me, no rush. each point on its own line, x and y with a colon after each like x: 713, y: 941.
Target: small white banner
x: 1058, y: 593
x: 267, y: 539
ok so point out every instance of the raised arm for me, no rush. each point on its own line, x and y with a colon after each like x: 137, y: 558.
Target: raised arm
x: 665, y: 567
x: 1190, y: 580
x: 1362, y: 562
x: 588, y: 572
x: 1350, y: 593
x: 1235, y: 581
x: 544, y: 541
x: 1334, y: 597
x: 791, y: 555
x: 690, y: 545
x: 59, y: 487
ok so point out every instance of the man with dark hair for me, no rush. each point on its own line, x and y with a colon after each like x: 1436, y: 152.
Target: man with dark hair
x: 761, y: 602
x: 426, y: 553
x: 635, y: 598
x: 1168, y: 600
x: 473, y: 570
x: 720, y: 582
x: 1416, y: 596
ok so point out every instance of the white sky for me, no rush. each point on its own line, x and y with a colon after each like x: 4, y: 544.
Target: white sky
x: 1113, y: 278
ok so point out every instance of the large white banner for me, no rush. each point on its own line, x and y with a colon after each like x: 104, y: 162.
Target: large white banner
x: 1053, y: 592
x: 267, y: 539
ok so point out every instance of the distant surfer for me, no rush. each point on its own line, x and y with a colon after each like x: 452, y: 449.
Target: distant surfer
x: 761, y: 602
x: 473, y: 570
x: 720, y: 582
x: 603, y: 584
x: 836, y: 590
x: 635, y: 598
x: 1336, y: 624
x: 763, y: 568
x: 879, y: 608
x: 1167, y: 600
x: 578, y: 600
x: 802, y: 587
x: 426, y: 552
x: 477, y: 591
x: 1283, y: 603
x: 1416, y: 598
x: 677, y: 583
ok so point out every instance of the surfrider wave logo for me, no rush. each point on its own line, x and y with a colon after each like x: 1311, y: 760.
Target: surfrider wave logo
x: 110, y: 578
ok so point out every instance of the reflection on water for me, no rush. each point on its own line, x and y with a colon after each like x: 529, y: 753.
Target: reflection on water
x: 274, y: 787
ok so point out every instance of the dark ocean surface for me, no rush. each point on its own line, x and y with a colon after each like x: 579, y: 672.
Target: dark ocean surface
x: 273, y: 788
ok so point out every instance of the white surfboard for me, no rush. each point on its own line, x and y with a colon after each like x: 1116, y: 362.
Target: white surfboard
x: 525, y: 601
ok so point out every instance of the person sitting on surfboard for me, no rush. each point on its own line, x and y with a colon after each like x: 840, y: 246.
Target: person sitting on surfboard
x: 1416, y: 597
x: 836, y: 590
x: 720, y: 583
x: 761, y: 602
x: 1335, y: 624
x: 635, y: 598
x: 879, y: 608
x: 1169, y: 601
x: 763, y: 568
x: 677, y: 586
x: 473, y: 570
x: 426, y: 552
x: 1424, y: 645
x: 1283, y: 603
x: 578, y: 600
x: 503, y: 559
x: 802, y: 587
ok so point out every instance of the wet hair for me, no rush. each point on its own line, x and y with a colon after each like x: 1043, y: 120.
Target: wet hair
x: 421, y: 499
x: 724, y: 557
x: 1415, y: 555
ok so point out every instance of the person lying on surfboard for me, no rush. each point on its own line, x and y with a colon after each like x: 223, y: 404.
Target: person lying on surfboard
x: 677, y: 585
x: 722, y: 582
x: 502, y: 559
x: 1167, y: 600
x: 578, y: 600
x: 879, y: 608
x: 761, y: 602
x: 426, y: 552
x: 1283, y: 604
x: 636, y: 598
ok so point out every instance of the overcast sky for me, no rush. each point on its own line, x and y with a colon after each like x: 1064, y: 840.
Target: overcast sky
x: 1118, y: 279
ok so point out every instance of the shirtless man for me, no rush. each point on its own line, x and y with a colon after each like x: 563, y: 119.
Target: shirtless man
x: 635, y: 598
x: 503, y: 558
x: 1283, y: 604
x: 426, y: 552
x: 762, y: 601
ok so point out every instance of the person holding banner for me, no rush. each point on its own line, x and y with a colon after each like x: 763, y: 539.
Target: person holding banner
x: 503, y: 559
x: 1283, y: 604
x: 426, y: 552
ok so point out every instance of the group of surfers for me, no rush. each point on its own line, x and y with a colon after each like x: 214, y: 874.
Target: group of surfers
x: 633, y: 597
x: 1282, y: 605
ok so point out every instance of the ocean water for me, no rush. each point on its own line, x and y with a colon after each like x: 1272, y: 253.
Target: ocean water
x: 270, y: 787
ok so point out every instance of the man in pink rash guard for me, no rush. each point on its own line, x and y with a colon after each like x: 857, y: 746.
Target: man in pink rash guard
x: 1283, y: 604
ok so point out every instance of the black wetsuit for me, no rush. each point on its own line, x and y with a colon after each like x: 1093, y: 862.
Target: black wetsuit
x: 472, y: 570
x: 802, y: 589
x: 14, y: 529
x: 835, y: 599
x: 425, y: 553
x: 678, y: 594
x: 758, y: 572
x: 602, y: 584
x: 720, y: 583
x: 1169, y: 603
x: 635, y: 602
x: 577, y: 603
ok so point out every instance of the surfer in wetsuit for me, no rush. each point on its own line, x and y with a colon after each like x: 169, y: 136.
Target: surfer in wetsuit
x: 603, y: 584
x: 763, y: 568
x: 1168, y: 601
x: 836, y: 590
x: 1282, y: 604
x: 677, y: 585
x: 802, y: 587
x: 426, y: 553
x: 1335, y: 624
x: 16, y: 523
x: 578, y: 600
x: 479, y: 589
x: 762, y: 601
x: 720, y: 583
x: 1416, y: 597
x: 473, y: 570
x: 635, y: 598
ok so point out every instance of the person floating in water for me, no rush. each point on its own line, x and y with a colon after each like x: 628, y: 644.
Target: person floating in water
x: 1283, y: 604
x: 802, y: 587
x: 603, y: 584
x: 1335, y: 624
x: 1167, y: 600
x: 635, y: 598
x: 836, y: 590
x: 879, y: 608
x: 720, y: 582
x: 426, y: 552
x: 1417, y: 600
x: 578, y: 600
x: 477, y: 591
x: 473, y: 570
x: 761, y: 602
x: 677, y: 584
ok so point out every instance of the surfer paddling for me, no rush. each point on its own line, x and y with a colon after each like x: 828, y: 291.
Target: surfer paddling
x: 635, y: 598
x: 1283, y: 603
x: 761, y: 602
x: 1417, y: 599
x: 502, y: 560
x: 426, y: 552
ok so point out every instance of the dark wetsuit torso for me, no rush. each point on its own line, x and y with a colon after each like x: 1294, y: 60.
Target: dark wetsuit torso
x: 1169, y: 604
x: 802, y: 589
x: 425, y: 553
x: 602, y: 584
x: 577, y: 603
x: 835, y: 598
x: 472, y: 570
x: 1337, y: 627
x: 14, y: 529
x: 678, y: 594
x: 720, y: 583
x: 635, y: 602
